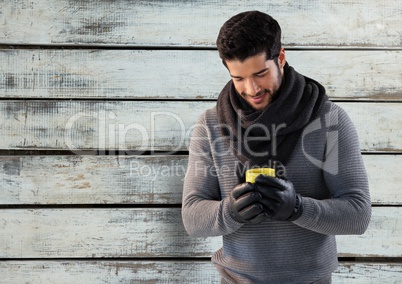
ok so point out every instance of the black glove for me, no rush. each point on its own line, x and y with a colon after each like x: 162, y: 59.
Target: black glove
x: 244, y: 206
x: 279, y: 198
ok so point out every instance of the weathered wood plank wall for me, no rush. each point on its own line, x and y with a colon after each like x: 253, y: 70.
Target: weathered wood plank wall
x: 162, y: 126
x: 91, y: 91
x: 151, y: 232
x: 106, y: 74
x: 155, y: 179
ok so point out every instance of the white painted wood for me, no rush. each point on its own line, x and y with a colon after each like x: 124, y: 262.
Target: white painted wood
x: 78, y: 233
x: 371, y: 120
x: 362, y: 273
x: 385, y: 180
x: 184, y: 74
x: 139, y: 126
x: 92, y: 179
x: 68, y: 272
x: 383, y: 237
x: 138, y: 179
x: 151, y: 232
x: 135, y: 126
x: 82, y: 233
x: 195, y: 272
x: 141, y: 23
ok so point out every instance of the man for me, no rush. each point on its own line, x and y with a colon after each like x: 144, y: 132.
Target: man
x: 279, y: 229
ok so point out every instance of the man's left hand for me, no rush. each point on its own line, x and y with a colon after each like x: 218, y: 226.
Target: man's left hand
x: 279, y: 198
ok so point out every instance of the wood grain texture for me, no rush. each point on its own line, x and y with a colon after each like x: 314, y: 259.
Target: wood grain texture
x: 151, y: 232
x: 92, y: 179
x: 132, y: 126
x: 361, y: 273
x: 195, y: 272
x: 383, y: 237
x: 184, y: 74
x: 56, y: 180
x: 351, y: 47
x: 78, y: 233
x: 196, y: 23
x: 140, y: 126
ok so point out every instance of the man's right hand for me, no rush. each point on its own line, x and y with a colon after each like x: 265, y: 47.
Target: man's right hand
x: 244, y: 206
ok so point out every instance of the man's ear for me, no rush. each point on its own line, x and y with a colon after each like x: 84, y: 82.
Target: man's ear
x: 282, y: 58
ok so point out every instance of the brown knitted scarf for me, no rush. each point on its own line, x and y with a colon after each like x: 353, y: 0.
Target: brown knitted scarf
x: 260, y: 136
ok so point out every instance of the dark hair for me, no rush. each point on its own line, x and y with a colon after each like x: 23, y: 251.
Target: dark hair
x: 248, y: 34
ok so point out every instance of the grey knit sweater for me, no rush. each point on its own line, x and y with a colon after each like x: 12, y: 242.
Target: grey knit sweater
x: 326, y: 168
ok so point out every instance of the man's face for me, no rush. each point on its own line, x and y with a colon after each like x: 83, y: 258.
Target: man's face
x: 257, y: 79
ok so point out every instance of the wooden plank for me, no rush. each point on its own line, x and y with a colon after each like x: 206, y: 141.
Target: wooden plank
x: 382, y: 238
x: 122, y: 125
x: 92, y: 179
x: 166, y: 272
x: 362, y: 273
x: 151, y: 232
x: 196, y: 23
x: 108, y: 272
x: 141, y: 232
x: 370, y: 121
x: 140, y: 126
x: 137, y: 179
x: 357, y: 75
x: 384, y: 178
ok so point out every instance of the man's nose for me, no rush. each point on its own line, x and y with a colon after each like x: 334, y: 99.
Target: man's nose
x: 252, y: 87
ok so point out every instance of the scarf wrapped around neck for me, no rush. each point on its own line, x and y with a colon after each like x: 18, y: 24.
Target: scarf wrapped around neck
x: 258, y: 137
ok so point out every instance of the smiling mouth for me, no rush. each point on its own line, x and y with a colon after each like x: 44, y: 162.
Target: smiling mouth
x: 258, y: 98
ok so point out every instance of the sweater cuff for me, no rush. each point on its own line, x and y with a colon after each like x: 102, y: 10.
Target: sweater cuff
x: 308, y: 216
x: 231, y: 223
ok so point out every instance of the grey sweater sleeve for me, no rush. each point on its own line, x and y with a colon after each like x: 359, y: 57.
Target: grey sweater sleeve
x: 349, y: 209
x: 204, y: 213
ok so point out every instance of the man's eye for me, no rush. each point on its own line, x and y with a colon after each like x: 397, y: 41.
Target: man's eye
x: 239, y: 79
x: 261, y: 75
